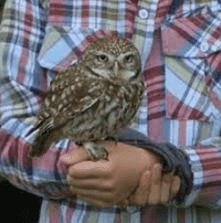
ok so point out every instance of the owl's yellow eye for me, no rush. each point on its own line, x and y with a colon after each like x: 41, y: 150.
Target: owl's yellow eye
x: 129, y: 58
x: 102, y: 58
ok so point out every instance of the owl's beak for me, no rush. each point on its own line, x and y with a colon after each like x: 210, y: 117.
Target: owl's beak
x: 116, y: 68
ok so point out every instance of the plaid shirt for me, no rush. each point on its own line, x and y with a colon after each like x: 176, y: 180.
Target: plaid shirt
x: 180, y: 47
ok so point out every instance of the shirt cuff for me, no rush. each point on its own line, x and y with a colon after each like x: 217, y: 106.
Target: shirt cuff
x: 205, y: 161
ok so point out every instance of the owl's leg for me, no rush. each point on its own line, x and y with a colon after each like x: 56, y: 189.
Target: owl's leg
x: 112, y: 138
x: 96, y: 152
x: 79, y: 143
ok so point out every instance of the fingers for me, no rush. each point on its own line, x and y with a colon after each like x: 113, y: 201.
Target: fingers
x: 166, y: 188
x: 163, y: 187
x: 74, y: 156
x: 155, y: 189
x: 175, y: 187
x: 123, y: 203
x: 141, y: 195
x: 98, y: 197
x: 90, y: 170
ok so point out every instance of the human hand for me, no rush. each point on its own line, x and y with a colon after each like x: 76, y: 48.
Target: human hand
x: 105, y: 183
x: 154, y: 188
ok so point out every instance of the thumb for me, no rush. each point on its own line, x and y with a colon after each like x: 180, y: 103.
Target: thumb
x: 74, y: 156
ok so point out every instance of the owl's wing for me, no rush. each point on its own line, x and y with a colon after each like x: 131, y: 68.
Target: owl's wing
x: 59, y: 120
x: 60, y: 107
x: 74, y: 98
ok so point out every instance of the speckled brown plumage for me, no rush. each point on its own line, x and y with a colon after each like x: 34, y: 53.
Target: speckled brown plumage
x: 93, y: 99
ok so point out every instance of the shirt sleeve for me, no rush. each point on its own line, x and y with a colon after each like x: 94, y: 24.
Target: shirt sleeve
x: 205, y: 161
x: 191, y: 48
x: 22, y: 86
x: 205, y: 156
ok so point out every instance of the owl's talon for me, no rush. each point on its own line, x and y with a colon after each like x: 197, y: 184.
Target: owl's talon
x: 95, y: 152
x: 106, y: 155
x: 112, y: 138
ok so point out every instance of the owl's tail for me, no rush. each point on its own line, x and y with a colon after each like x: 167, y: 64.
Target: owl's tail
x: 47, y: 136
x: 42, y: 143
x: 39, y: 146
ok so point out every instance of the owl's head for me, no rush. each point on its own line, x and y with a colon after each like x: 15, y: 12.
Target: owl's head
x: 114, y: 59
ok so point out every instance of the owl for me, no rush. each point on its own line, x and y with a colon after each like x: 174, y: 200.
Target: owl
x: 93, y: 99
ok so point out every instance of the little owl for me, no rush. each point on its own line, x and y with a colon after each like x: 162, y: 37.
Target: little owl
x: 93, y: 99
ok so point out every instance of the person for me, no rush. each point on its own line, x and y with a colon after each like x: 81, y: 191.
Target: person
x: 166, y: 167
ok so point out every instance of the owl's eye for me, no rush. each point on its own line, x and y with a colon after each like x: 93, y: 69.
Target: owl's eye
x: 128, y: 58
x: 102, y: 58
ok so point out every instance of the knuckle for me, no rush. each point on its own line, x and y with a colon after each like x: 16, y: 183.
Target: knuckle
x: 154, y: 200
x: 140, y: 202
x: 110, y: 198
x: 167, y: 178
x: 153, y: 203
x: 123, y: 203
x: 103, y: 204
x: 177, y: 182
x: 68, y: 179
x: 108, y: 202
x: 156, y: 181
x: 164, y: 200
x: 109, y: 186
x: 176, y: 185
x: 110, y: 171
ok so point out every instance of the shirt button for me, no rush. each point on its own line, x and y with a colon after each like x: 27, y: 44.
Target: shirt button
x: 143, y: 14
x: 204, y: 47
